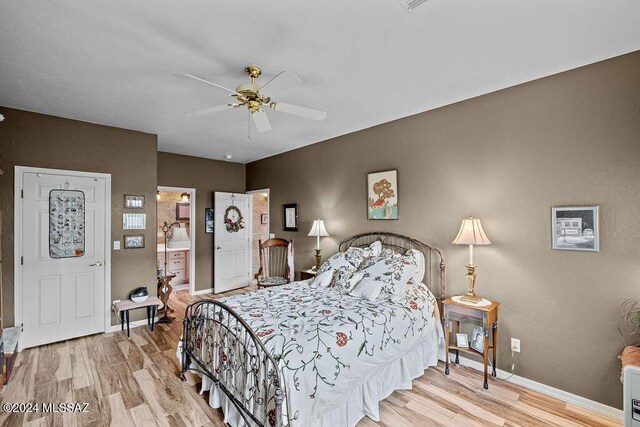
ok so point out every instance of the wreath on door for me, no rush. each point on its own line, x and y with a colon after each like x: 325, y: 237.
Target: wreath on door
x: 233, y: 219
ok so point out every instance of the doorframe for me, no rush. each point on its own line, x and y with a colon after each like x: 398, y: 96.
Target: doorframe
x: 252, y: 193
x: 192, y: 228
x: 17, y: 236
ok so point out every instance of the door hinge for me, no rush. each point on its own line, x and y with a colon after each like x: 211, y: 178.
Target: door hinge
x: 22, y: 194
x: 21, y: 260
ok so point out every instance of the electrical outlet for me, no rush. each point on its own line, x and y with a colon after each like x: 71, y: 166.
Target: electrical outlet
x: 515, y: 345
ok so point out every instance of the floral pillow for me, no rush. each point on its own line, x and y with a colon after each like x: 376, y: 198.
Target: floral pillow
x: 418, y: 259
x: 393, y: 269
x: 345, y: 263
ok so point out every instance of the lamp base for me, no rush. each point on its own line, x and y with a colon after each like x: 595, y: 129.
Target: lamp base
x: 471, y: 284
x: 471, y: 298
x: 318, y: 258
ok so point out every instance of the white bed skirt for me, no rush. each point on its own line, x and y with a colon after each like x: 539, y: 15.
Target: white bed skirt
x: 363, y: 399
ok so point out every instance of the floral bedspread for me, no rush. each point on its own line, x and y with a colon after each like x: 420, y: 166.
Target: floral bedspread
x: 328, y: 343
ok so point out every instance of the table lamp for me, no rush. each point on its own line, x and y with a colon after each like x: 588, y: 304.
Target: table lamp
x: 318, y: 230
x: 471, y: 233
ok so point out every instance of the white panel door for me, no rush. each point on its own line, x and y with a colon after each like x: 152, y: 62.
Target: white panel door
x: 64, y: 297
x: 231, y: 255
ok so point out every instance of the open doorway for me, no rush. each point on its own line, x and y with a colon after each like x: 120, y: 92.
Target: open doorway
x: 176, y: 236
x: 259, y: 225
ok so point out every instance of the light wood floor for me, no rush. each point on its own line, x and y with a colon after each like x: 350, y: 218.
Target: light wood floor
x: 134, y: 382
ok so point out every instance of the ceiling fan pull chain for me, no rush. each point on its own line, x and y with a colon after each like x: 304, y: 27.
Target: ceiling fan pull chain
x: 249, y: 126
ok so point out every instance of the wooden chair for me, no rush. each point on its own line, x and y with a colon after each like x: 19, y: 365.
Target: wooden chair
x: 274, y: 263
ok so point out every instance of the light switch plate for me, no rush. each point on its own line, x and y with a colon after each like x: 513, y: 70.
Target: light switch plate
x: 116, y: 245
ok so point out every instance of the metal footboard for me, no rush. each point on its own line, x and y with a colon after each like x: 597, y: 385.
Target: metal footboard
x: 220, y: 345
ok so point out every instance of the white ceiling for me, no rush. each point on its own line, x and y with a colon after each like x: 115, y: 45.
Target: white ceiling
x: 365, y: 62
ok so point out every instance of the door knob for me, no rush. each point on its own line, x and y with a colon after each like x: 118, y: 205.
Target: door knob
x: 218, y: 247
x: 96, y: 264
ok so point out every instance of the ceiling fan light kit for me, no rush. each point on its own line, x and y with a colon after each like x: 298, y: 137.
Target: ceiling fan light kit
x: 249, y: 95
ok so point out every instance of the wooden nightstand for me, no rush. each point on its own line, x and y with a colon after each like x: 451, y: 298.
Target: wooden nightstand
x: 486, y: 316
x: 307, y: 274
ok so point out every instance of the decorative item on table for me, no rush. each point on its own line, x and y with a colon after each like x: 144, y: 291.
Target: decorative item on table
x: 208, y: 220
x: 471, y: 233
x: 318, y: 230
x: 264, y: 218
x: 290, y: 217
x: 382, y: 195
x: 462, y: 340
x: 66, y: 223
x: 132, y: 201
x: 183, y: 211
x: 139, y: 294
x: 233, y: 219
x: 575, y: 228
x: 477, y: 339
x: 134, y: 241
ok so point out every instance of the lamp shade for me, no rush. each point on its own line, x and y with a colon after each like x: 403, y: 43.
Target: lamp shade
x: 179, y: 238
x: 318, y: 229
x: 471, y: 233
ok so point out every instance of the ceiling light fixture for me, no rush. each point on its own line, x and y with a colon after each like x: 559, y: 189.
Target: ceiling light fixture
x: 185, y: 197
x: 157, y: 195
x: 228, y: 157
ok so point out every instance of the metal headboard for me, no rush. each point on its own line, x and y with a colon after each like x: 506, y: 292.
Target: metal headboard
x: 434, y: 261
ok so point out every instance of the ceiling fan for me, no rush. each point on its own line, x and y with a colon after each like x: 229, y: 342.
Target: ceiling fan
x: 251, y: 95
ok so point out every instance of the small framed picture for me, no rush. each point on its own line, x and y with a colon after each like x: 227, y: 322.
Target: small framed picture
x: 575, y: 228
x: 132, y: 201
x: 382, y: 195
x: 462, y: 340
x: 264, y: 218
x: 477, y: 339
x: 134, y: 241
x: 183, y: 211
x: 290, y: 214
x: 208, y: 220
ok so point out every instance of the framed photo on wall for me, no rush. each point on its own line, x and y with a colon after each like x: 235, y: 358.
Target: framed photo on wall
x: 132, y: 201
x: 208, y: 220
x: 382, y: 195
x: 290, y: 217
x: 134, y: 241
x: 183, y: 211
x: 264, y: 218
x: 575, y: 228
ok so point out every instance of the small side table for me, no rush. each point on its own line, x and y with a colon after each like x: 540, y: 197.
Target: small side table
x: 307, y: 274
x: 487, y: 316
x: 125, y: 306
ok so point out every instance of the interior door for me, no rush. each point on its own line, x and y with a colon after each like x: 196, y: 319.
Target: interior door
x: 231, y: 255
x: 63, y: 271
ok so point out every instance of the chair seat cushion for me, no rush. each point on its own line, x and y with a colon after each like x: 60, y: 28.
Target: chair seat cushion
x: 272, y: 281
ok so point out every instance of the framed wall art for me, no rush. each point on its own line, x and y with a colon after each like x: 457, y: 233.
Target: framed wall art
x: 382, y: 195
x: 183, y: 211
x: 208, y: 220
x: 290, y: 217
x: 134, y: 241
x: 264, y: 218
x: 575, y: 228
x: 132, y: 201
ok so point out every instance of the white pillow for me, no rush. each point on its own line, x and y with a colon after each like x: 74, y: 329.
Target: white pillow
x: 394, y: 271
x: 323, y: 279
x: 376, y: 248
x: 420, y: 264
x: 367, y: 290
x: 350, y: 282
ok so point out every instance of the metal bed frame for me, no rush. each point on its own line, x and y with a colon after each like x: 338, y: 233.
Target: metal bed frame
x: 220, y: 345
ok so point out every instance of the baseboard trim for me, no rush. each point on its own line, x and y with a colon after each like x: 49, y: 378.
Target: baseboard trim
x: 565, y: 396
x: 203, y: 291
x: 134, y: 324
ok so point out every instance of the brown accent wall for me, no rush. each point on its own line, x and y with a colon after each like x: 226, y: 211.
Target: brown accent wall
x: 38, y: 140
x: 206, y: 176
x: 506, y: 158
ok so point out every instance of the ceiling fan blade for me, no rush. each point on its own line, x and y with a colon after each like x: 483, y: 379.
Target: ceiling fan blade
x: 309, y: 113
x: 261, y: 120
x: 282, y: 82
x: 207, y: 82
x: 209, y: 110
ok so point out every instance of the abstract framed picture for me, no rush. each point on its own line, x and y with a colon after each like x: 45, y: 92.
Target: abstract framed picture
x: 575, y: 228
x: 208, y: 220
x: 382, y: 195
x: 290, y: 217
x: 134, y: 241
x: 132, y: 201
